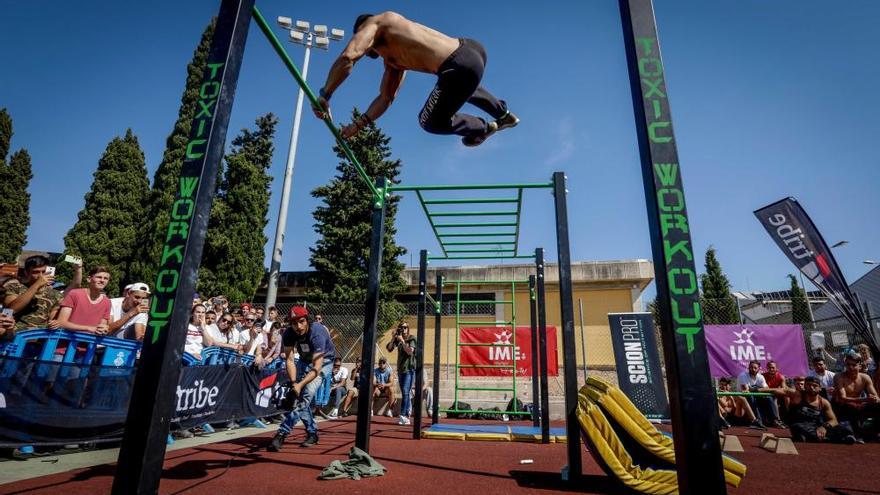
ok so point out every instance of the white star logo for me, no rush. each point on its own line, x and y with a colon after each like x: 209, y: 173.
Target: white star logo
x: 744, y: 337
x: 503, y: 337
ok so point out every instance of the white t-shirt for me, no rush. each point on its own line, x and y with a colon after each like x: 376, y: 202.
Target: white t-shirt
x: 194, y: 344
x: 256, y: 344
x: 340, y: 376
x: 749, y: 381
x: 826, y: 379
x: 125, y: 331
x: 213, y: 331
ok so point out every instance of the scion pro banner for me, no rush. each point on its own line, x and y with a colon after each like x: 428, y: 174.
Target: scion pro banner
x: 638, y: 362
x: 794, y: 232
x: 498, y: 357
x: 731, y: 347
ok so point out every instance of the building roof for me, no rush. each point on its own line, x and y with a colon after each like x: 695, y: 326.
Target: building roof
x: 867, y: 288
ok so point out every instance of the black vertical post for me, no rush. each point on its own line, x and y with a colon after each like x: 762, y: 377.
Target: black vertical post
x: 693, y: 406
x: 420, y: 345
x: 371, y: 317
x: 542, y: 344
x: 566, y: 312
x: 533, y: 321
x: 438, y: 323
x: 152, y: 403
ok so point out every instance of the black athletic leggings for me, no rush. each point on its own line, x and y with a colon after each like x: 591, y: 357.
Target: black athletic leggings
x: 458, y: 82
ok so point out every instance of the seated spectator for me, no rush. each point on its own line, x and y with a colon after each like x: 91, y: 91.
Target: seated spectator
x: 7, y: 327
x: 338, y: 390
x: 128, y: 315
x: 855, y: 398
x: 812, y: 418
x: 271, y: 319
x: 33, y: 300
x: 87, y: 309
x: 382, y: 381
x: 195, y: 332
x: 826, y: 377
x: 273, y: 350
x: 765, y: 408
x: 868, y: 366
x: 776, y: 383
x: 355, y: 377
x: 735, y: 410
x: 257, y: 340
x: 223, y: 334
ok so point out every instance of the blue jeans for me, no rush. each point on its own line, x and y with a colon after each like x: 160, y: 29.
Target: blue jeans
x: 406, y: 380
x: 339, y: 393
x: 302, y: 408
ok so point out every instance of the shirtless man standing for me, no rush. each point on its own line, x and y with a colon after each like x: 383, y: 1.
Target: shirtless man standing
x: 406, y: 45
x: 855, y: 398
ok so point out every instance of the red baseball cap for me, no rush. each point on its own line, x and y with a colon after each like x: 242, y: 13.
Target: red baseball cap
x: 297, y: 312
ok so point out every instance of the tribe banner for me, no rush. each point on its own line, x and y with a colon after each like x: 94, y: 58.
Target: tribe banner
x: 503, y: 356
x: 794, y: 232
x: 731, y: 347
x: 54, y: 404
x: 638, y: 362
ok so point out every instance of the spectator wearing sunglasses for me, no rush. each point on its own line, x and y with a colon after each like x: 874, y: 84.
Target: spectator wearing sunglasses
x: 223, y: 333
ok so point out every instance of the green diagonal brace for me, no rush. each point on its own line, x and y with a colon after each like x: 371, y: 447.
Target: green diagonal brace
x: 378, y: 196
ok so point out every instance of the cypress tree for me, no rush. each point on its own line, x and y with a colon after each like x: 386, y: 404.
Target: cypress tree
x: 165, y: 180
x: 232, y: 263
x: 719, y: 306
x: 106, y: 231
x: 800, y: 311
x: 15, y: 177
x: 343, y: 222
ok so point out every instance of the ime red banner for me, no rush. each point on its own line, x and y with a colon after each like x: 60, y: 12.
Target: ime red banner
x: 503, y: 355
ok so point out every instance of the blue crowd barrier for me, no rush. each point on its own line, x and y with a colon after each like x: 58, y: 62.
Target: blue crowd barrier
x: 81, y: 348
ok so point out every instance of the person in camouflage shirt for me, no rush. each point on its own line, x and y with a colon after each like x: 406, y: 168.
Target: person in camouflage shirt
x: 36, y: 303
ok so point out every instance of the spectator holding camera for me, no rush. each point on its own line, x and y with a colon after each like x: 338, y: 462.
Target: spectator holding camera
x: 7, y: 326
x: 355, y: 387
x: 195, y: 332
x: 86, y: 309
x: 405, y: 343
x: 128, y: 315
x: 338, y: 389
x: 33, y: 300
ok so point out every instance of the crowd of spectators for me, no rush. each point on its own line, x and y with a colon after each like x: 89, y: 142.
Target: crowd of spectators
x: 823, y: 406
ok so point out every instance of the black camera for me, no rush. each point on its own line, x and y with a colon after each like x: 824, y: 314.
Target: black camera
x: 284, y: 397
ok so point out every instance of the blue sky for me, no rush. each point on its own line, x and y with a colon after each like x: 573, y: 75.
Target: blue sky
x: 769, y: 99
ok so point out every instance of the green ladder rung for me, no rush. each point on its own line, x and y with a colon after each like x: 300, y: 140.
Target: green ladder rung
x: 485, y: 302
x: 471, y: 213
x: 484, y: 323
x: 479, y: 243
x: 469, y: 201
x: 492, y: 366
x: 478, y: 389
x: 480, y: 224
x: 483, y: 344
x: 477, y: 234
x: 481, y: 250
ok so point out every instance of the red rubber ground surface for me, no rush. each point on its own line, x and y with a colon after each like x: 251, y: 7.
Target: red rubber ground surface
x: 243, y: 467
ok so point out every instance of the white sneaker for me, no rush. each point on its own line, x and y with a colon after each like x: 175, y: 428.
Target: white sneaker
x: 404, y: 421
x: 389, y: 413
x: 334, y: 414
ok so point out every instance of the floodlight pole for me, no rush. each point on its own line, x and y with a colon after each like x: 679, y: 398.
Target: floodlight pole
x: 281, y: 226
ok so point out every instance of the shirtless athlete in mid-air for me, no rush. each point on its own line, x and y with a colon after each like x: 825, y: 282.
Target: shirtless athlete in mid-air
x: 406, y: 45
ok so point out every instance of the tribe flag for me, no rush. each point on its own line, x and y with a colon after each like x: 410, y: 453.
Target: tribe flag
x: 503, y: 355
x: 731, y: 347
x: 794, y: 232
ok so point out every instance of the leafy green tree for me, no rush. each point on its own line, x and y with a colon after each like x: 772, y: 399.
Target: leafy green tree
x: 343, y: 223
x: 232, y: 263
x: 800, y: 311
x: 165, y: 180
x: 106, y: 231
x: 15, y: 177
x: 719, y: 306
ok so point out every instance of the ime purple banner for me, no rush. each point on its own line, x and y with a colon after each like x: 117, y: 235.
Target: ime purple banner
x: 731, y: 347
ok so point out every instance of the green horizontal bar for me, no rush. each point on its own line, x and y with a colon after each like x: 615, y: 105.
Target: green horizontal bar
x: 472, y: 411
x: 478, y: 243
x: 472, y: 187
x: 481, y: 224
x: 477, y: 234
x: 521, y: 257
x: 469, y: 201
x: 485, y: 302
x: 479, y: 250
x: 478, y: 389
x: 484, y: 323
x: 470, y: 282
x: 471, y: 213
x: 482, y: 344
x: 747, y: 394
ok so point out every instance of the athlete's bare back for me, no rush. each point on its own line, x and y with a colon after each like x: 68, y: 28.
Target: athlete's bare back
x: 408, y: 45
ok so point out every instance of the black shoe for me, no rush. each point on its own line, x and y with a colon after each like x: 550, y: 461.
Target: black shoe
x: 757, y: 425
x: 312, y: 439
x: 323, y: 414
x: 472, y: 141
x: 276, y: 443
x: 724, y: 424
x: 506, y: 121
